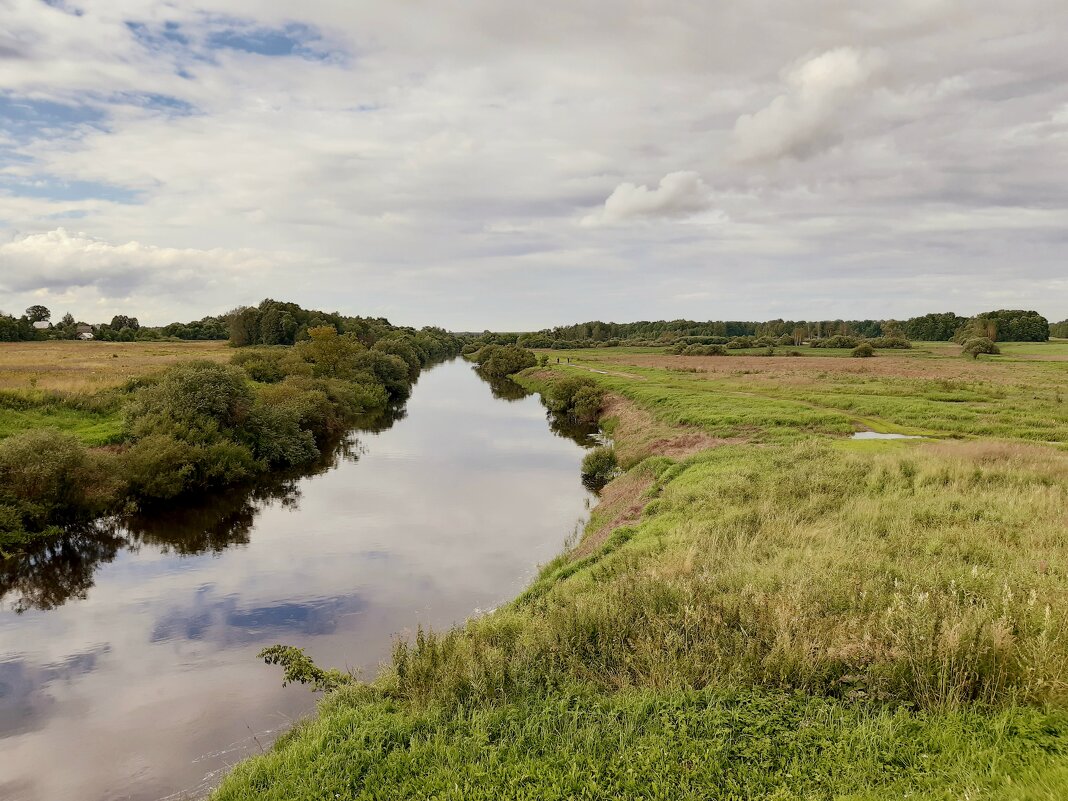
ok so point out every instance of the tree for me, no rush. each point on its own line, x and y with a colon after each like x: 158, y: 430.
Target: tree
x: 68, y: 320
x: 245, y: 327
x: 333, y: 355
x: 977, y: 345
x: 121, y: 321
x: 38, y: 314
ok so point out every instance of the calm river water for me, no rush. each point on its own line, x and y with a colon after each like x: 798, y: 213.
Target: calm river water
x: 128, y: 664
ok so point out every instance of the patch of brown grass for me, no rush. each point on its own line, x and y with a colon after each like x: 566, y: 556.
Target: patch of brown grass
x: 621, y: 504
x: 85, y: 367
x: 637, y: 434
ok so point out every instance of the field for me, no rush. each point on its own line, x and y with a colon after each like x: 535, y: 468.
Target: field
x: 87, y: 367
x: 68, y: 385
x: 761, y: 606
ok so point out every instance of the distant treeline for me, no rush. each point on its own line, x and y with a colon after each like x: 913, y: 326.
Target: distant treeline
x: 1059, y: 330
x: 200, y: 425
x: 1002, y: 325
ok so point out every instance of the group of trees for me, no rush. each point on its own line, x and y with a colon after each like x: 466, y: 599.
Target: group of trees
x: 1005, y: 325
x: 500, y: 361
x: 1059, y: 330
x: 1001, y: 325
x: 200, y: 425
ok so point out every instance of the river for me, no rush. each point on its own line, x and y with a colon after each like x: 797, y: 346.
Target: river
x: 128, y: 665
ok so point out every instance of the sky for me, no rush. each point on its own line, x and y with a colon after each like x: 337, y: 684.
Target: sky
x: 496, y: 164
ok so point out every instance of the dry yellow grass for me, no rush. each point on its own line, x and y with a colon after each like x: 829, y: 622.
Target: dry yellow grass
x: 79, y: 367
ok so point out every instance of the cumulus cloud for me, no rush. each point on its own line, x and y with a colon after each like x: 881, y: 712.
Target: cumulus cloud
x: 679, y: 194
x: 415, y: 167
x: 802, y: 120
x: 62, y: 265
x: 60, y: 258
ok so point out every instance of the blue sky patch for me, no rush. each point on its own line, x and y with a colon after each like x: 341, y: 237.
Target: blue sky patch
x: 22, y: 118
x: 62, y: 5
x: 47, y: 187
x: 166, y: 104
x: 219, y: 33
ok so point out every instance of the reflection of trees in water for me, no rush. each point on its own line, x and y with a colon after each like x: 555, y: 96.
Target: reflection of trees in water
x: 56, y: 570
x: 505, y: 388
x: 561, y: 425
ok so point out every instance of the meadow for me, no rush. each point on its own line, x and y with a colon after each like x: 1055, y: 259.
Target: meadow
x: 760, y: 606
x: 70, y: 385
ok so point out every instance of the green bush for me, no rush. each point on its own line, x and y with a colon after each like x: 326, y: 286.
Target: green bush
x: 863, y: 351
x: 162, y: 467
x: 194, y: 402
x: 978, y: 345
x: 577, y: 397
x: 271, y: 365
x: 49, y: 477
x: 599, y: 466
x: 883, y: 343
x: 498, y: 361
x: 835, y: 342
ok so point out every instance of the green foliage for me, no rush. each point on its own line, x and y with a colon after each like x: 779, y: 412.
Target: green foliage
x: 836, y: 342
x: 599, y: 466
x: 659, y: 745
x: 271, y: 365
x: 194, y: 401
x: 1059, y: 330
x: 14, y: 329
x: 863, y: 351
x: 1005, y: 325
x: 332, y: 355
x: 161, y: 466
x: 698, y: 350
x: 978, y: 345
x: 895, y: 343
x: 299, y: 668
x: 38, y: 313
x: 48, y: 477
x: 499, y: 361
x: 934, y: 327
x: 207, y: 328
x: 577, y: 397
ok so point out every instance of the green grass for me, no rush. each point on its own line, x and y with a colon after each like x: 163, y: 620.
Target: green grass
x: 95, y: 419
x: 789, y: 615
x: 676, y: 745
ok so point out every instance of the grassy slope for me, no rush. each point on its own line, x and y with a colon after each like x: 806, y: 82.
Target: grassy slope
x: 68, y: 385
x: 791, y: 615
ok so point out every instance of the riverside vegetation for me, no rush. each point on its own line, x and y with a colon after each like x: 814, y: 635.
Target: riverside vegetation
x: 70, y: 455
x: 759, y: 607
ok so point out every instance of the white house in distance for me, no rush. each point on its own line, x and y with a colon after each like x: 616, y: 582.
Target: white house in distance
x: 41, y: 325
x: 84, y: 331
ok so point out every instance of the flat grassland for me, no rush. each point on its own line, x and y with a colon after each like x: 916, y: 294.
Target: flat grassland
x: 85, y: 367
x: 761, y: 606
x: 70, y: 385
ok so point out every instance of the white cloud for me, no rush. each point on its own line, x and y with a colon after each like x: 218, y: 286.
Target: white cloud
x: 432, y: 171
x: 679, y: 194
x: 59, y: 266
x: 802, y: 120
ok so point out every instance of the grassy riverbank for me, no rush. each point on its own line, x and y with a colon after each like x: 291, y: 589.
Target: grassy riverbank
x: 760, y: 607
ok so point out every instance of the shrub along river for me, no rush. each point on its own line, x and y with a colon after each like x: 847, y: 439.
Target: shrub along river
x: 128, y: 664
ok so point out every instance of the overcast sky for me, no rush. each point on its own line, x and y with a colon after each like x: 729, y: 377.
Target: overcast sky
x: 506, y: 165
